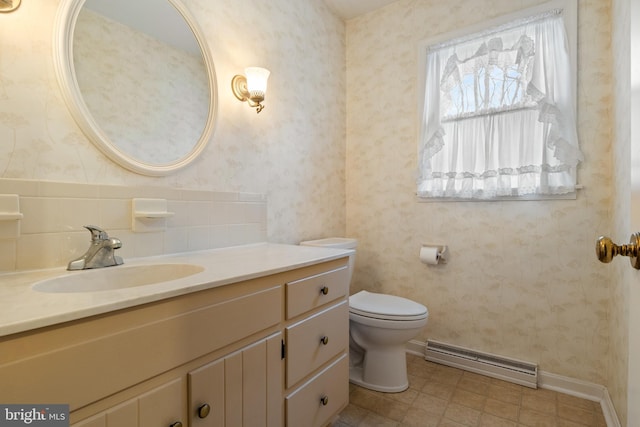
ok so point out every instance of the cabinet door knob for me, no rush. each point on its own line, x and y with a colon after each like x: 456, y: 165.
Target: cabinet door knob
x: 324, y: 400
x: 324, y: 340
x: 176, y: 424
x: 204, y: 410
x: 324, y: 290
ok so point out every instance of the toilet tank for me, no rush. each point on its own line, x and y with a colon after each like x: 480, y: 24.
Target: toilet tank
x: 337, y: 243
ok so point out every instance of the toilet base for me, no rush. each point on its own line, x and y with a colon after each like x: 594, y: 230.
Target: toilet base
x: 356, y: 377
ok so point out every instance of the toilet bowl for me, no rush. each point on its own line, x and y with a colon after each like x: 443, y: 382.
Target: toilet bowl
x: 380, y: 326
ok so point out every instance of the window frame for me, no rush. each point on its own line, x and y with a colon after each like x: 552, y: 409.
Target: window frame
x: 570, y: 19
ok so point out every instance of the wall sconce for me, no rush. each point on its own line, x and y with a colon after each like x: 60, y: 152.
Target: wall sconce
x: 251, y: 88
x: 9, y: 5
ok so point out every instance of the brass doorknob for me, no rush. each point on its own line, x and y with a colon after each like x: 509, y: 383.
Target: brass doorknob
x: 324, y: 290
x: 204, y: 410
x: 606, y: 250
x: 324, y: 400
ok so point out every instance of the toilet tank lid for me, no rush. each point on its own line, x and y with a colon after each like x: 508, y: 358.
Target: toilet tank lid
x: 333, y: 242
x: 387, y: 305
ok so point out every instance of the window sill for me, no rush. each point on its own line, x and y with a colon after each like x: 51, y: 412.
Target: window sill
x: 533, y: 197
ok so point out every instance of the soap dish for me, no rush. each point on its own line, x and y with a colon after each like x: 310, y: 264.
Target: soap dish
x: 149, y: 215
x: 10, y: 216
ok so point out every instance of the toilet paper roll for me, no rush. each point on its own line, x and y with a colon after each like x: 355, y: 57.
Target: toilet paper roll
x: 429, y: 255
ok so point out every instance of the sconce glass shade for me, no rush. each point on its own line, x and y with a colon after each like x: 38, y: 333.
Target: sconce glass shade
x: 257, y: 81
x: 252, y: 88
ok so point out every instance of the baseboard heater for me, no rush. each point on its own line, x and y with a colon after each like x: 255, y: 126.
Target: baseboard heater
x: 515, y: 371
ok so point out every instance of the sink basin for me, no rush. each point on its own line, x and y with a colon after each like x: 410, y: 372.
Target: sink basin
x: 120, y: 277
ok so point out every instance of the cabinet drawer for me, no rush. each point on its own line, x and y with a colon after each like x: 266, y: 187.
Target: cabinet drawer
x: 305, y: 406
x: 314, y: 291
x: 315, y: 340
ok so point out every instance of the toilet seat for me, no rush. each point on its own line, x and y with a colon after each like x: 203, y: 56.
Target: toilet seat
x: 386, y: 307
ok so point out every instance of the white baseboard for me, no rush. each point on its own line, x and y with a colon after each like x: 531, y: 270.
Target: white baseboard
x: 416, y: 348
x: 565, y: 385
x: 584, y: 390
x: 609, y: 411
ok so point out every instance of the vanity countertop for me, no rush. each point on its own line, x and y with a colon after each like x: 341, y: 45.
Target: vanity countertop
x: 22, y: 308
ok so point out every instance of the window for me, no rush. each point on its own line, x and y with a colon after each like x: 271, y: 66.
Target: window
x: 498, y: 119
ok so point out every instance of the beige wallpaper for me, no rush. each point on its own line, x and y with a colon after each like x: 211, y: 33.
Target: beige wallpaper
x: 293, y: 151
x: 522, y: 280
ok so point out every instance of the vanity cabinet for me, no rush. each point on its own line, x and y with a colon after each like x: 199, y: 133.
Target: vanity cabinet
x: 264, y: 352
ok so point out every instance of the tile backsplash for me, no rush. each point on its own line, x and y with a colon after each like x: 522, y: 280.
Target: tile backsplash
x: 52, y: 232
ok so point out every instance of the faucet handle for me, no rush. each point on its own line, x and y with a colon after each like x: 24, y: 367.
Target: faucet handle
x: 97, y: 233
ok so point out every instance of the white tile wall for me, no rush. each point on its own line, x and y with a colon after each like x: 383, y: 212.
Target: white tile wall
x: 52, y: 230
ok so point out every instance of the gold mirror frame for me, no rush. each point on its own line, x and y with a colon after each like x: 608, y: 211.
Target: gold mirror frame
x: 7, y: 6
x: 63, y: 61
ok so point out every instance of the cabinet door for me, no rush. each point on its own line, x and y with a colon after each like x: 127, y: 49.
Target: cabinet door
x: 241, y: 389
x: 254, y: 385
x: 275, y: 381
x: 233, y: 389
x: 163, y: 406
x: 253, y: 379
x: 97, y: 421
x: 261, y: 380
x: 124, y: 415
x: 206, y: 395
x: 160, y: 407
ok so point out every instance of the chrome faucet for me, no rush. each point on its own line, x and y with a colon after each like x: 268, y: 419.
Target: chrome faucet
x: 100, y: 253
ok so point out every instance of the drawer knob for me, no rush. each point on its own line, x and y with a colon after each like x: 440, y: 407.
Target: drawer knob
x: 176, y: 424
x: 204, y: 410
x: 324, y: 340
x: 324, y: 290
x: 324, y: 400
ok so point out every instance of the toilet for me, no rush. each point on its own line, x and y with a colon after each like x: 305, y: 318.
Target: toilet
x: 380, y: 326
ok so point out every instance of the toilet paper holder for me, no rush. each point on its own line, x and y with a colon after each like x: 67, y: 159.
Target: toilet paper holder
x: 442, y: 252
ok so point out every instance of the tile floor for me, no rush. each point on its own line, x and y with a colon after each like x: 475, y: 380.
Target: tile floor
x: 441, y: 396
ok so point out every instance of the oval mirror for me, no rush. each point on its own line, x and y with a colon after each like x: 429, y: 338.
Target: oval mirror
x: 139, y: 80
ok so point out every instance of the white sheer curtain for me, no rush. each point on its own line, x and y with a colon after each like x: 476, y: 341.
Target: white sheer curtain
x: 499, y: 115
